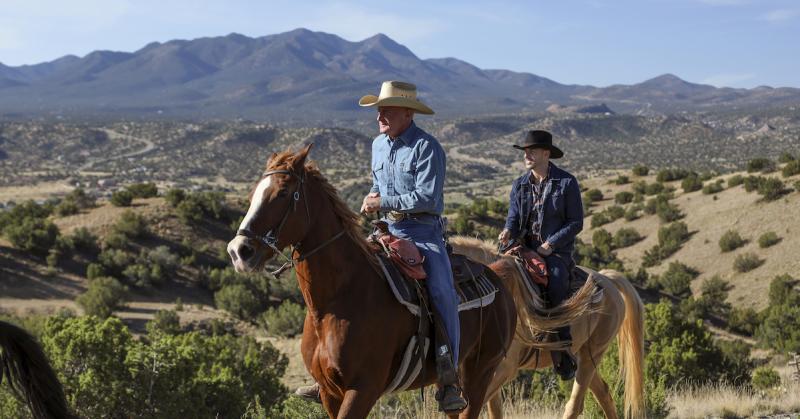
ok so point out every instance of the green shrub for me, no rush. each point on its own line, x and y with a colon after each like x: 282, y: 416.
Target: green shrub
x: 131, y: 225
x: 760, y: 164
x: 746, y: 262
x: 668, y: 212
x: 104, y: 295
x: 593, y: 195
x: 175, y: 196
x: 85, y: 241
x: 714, y: 295
x: 796, y: 185
x: 625, y: 237
x: 771, y: 189
x: 65, y: 208
x: 114, y: 261
x: 751, y: 183
x: 782, y: 291
x: 768, y: 239
x: 35, y: 235
x: 735, y: 180
x: 668, y: 175
x: 622, y: 180
x: 640, y: 170
x: 95, y: 270
x: 623, y: 197
x: 143, y: 190
x: 731, y: 240
x: 743, y: 320
x: 632, y: 213
x: 654, y: 188
x: 786, y: 157
x: 677, y: 279
x: 670, y: 239
x: 602, y: 240
x: 600, y: 219
x: 639, y: 187
x: 286, y: 320
x: 238, y: 300
x: 792, y: 168
x: 765, y: 378
x: 615, y: 212
x: 714, y: 187
x: 780, y: 329
x: 165, y: 321
x: 691, y: 183
x: 121, y: 198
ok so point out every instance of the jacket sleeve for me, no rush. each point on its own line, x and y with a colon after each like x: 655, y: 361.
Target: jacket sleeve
x: 428, y: 184
x: 512, y: 220
x: 573, y: 222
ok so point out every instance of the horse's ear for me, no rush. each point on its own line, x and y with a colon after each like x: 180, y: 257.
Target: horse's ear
x: 300, y: 157
x: 272, y: 157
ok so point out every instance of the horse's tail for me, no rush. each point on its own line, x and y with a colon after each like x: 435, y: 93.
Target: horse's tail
x: 631, y: 345
x: 24, y: 365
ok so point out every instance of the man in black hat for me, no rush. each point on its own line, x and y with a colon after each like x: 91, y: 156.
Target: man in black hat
x: 546, y: 213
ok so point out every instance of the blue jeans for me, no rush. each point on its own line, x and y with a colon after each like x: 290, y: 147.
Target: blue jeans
x: 427, y: 234
x: 558, y: 286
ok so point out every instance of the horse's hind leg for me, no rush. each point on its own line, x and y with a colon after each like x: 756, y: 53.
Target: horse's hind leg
x: 600, y: 390
x: 495, y: 406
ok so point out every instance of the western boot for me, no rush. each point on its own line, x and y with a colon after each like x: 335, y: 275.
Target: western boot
x: 310, y: 393
x: 449, y: 393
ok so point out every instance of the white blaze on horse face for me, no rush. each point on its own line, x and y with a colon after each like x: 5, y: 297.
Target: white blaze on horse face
x: 255, y: 203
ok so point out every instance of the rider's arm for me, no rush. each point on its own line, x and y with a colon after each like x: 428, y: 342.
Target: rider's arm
x: 573, y: 222
x: 512, y: 220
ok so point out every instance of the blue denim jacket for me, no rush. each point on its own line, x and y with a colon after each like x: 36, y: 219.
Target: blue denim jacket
x: 562, y: 215
x: 409, y: 172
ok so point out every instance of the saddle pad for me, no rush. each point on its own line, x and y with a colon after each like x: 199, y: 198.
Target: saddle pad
x: 577, y: 280
x: 479, y: 292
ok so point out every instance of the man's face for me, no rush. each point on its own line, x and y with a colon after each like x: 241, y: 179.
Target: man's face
x: 536, y: 157
x: 393, y: 120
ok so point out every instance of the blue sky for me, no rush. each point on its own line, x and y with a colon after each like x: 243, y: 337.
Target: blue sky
x: 739, y: 43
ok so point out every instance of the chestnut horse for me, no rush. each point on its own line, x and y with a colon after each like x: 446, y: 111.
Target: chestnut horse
x: 620, y: 313
x: 355, y: 331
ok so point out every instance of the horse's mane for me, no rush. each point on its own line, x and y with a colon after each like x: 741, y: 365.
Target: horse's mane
x: 349, y: 219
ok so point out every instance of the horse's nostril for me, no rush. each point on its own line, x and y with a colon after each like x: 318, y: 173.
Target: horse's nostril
x: 246, y: 252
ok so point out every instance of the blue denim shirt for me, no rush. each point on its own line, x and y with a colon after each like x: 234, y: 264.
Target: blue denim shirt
x: 561, y: 218
x: 409, y: 172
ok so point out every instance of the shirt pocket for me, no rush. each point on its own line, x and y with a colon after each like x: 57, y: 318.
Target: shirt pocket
x: 557, y: 200
x: 406, y: 174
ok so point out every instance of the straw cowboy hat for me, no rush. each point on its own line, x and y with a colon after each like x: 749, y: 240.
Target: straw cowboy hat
x: 397, y: 93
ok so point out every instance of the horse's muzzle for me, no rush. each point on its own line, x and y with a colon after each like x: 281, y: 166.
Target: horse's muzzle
x: 244, y: 254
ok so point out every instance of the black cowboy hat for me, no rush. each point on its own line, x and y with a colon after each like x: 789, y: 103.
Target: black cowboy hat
x: 540, y: 139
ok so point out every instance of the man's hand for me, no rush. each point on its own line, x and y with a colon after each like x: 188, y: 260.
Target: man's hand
x: 504, y: 236
x: 544, y: 249
x: 372, y: 203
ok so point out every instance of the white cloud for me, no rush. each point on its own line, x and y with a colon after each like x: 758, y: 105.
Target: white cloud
x: 728, y: 79
x: 780, y: 15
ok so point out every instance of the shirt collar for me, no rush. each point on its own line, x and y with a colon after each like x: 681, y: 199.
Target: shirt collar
x: 546, y: 178
x: 406, y: 136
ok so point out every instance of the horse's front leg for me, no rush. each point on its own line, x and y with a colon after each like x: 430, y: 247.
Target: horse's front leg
x: 357, y: 403
x: 331, y: 403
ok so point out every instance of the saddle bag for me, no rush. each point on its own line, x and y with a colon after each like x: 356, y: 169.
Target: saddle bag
x: 404, y: 253
x: 533, y: 262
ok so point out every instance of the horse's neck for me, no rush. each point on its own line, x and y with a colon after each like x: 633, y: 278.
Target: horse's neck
x: 329, y: 273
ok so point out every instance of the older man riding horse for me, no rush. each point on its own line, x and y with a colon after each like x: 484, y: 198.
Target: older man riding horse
x: 355, y: 332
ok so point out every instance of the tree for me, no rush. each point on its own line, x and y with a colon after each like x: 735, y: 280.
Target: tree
x: 121, y: 198
x: 286, y: 320
x: 238, y: 300
x: 104, y: 295
x: 35, y: 235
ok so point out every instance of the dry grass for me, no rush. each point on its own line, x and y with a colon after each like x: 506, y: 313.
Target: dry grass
x: 728, y: 401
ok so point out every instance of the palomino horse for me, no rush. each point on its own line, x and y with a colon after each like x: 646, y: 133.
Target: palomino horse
x: 619, y: 313
x: 24, y: 365
x: 355, y: 331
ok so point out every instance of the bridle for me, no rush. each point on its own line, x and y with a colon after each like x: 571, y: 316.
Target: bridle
x: 270, y: 238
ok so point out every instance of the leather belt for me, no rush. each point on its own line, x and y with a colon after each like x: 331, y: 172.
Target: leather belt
x: 400, y: 216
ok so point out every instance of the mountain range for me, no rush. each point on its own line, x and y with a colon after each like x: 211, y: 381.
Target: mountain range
x: 303, y: 75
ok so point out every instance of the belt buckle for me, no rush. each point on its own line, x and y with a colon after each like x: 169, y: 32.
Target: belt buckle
x: 396, y: 216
